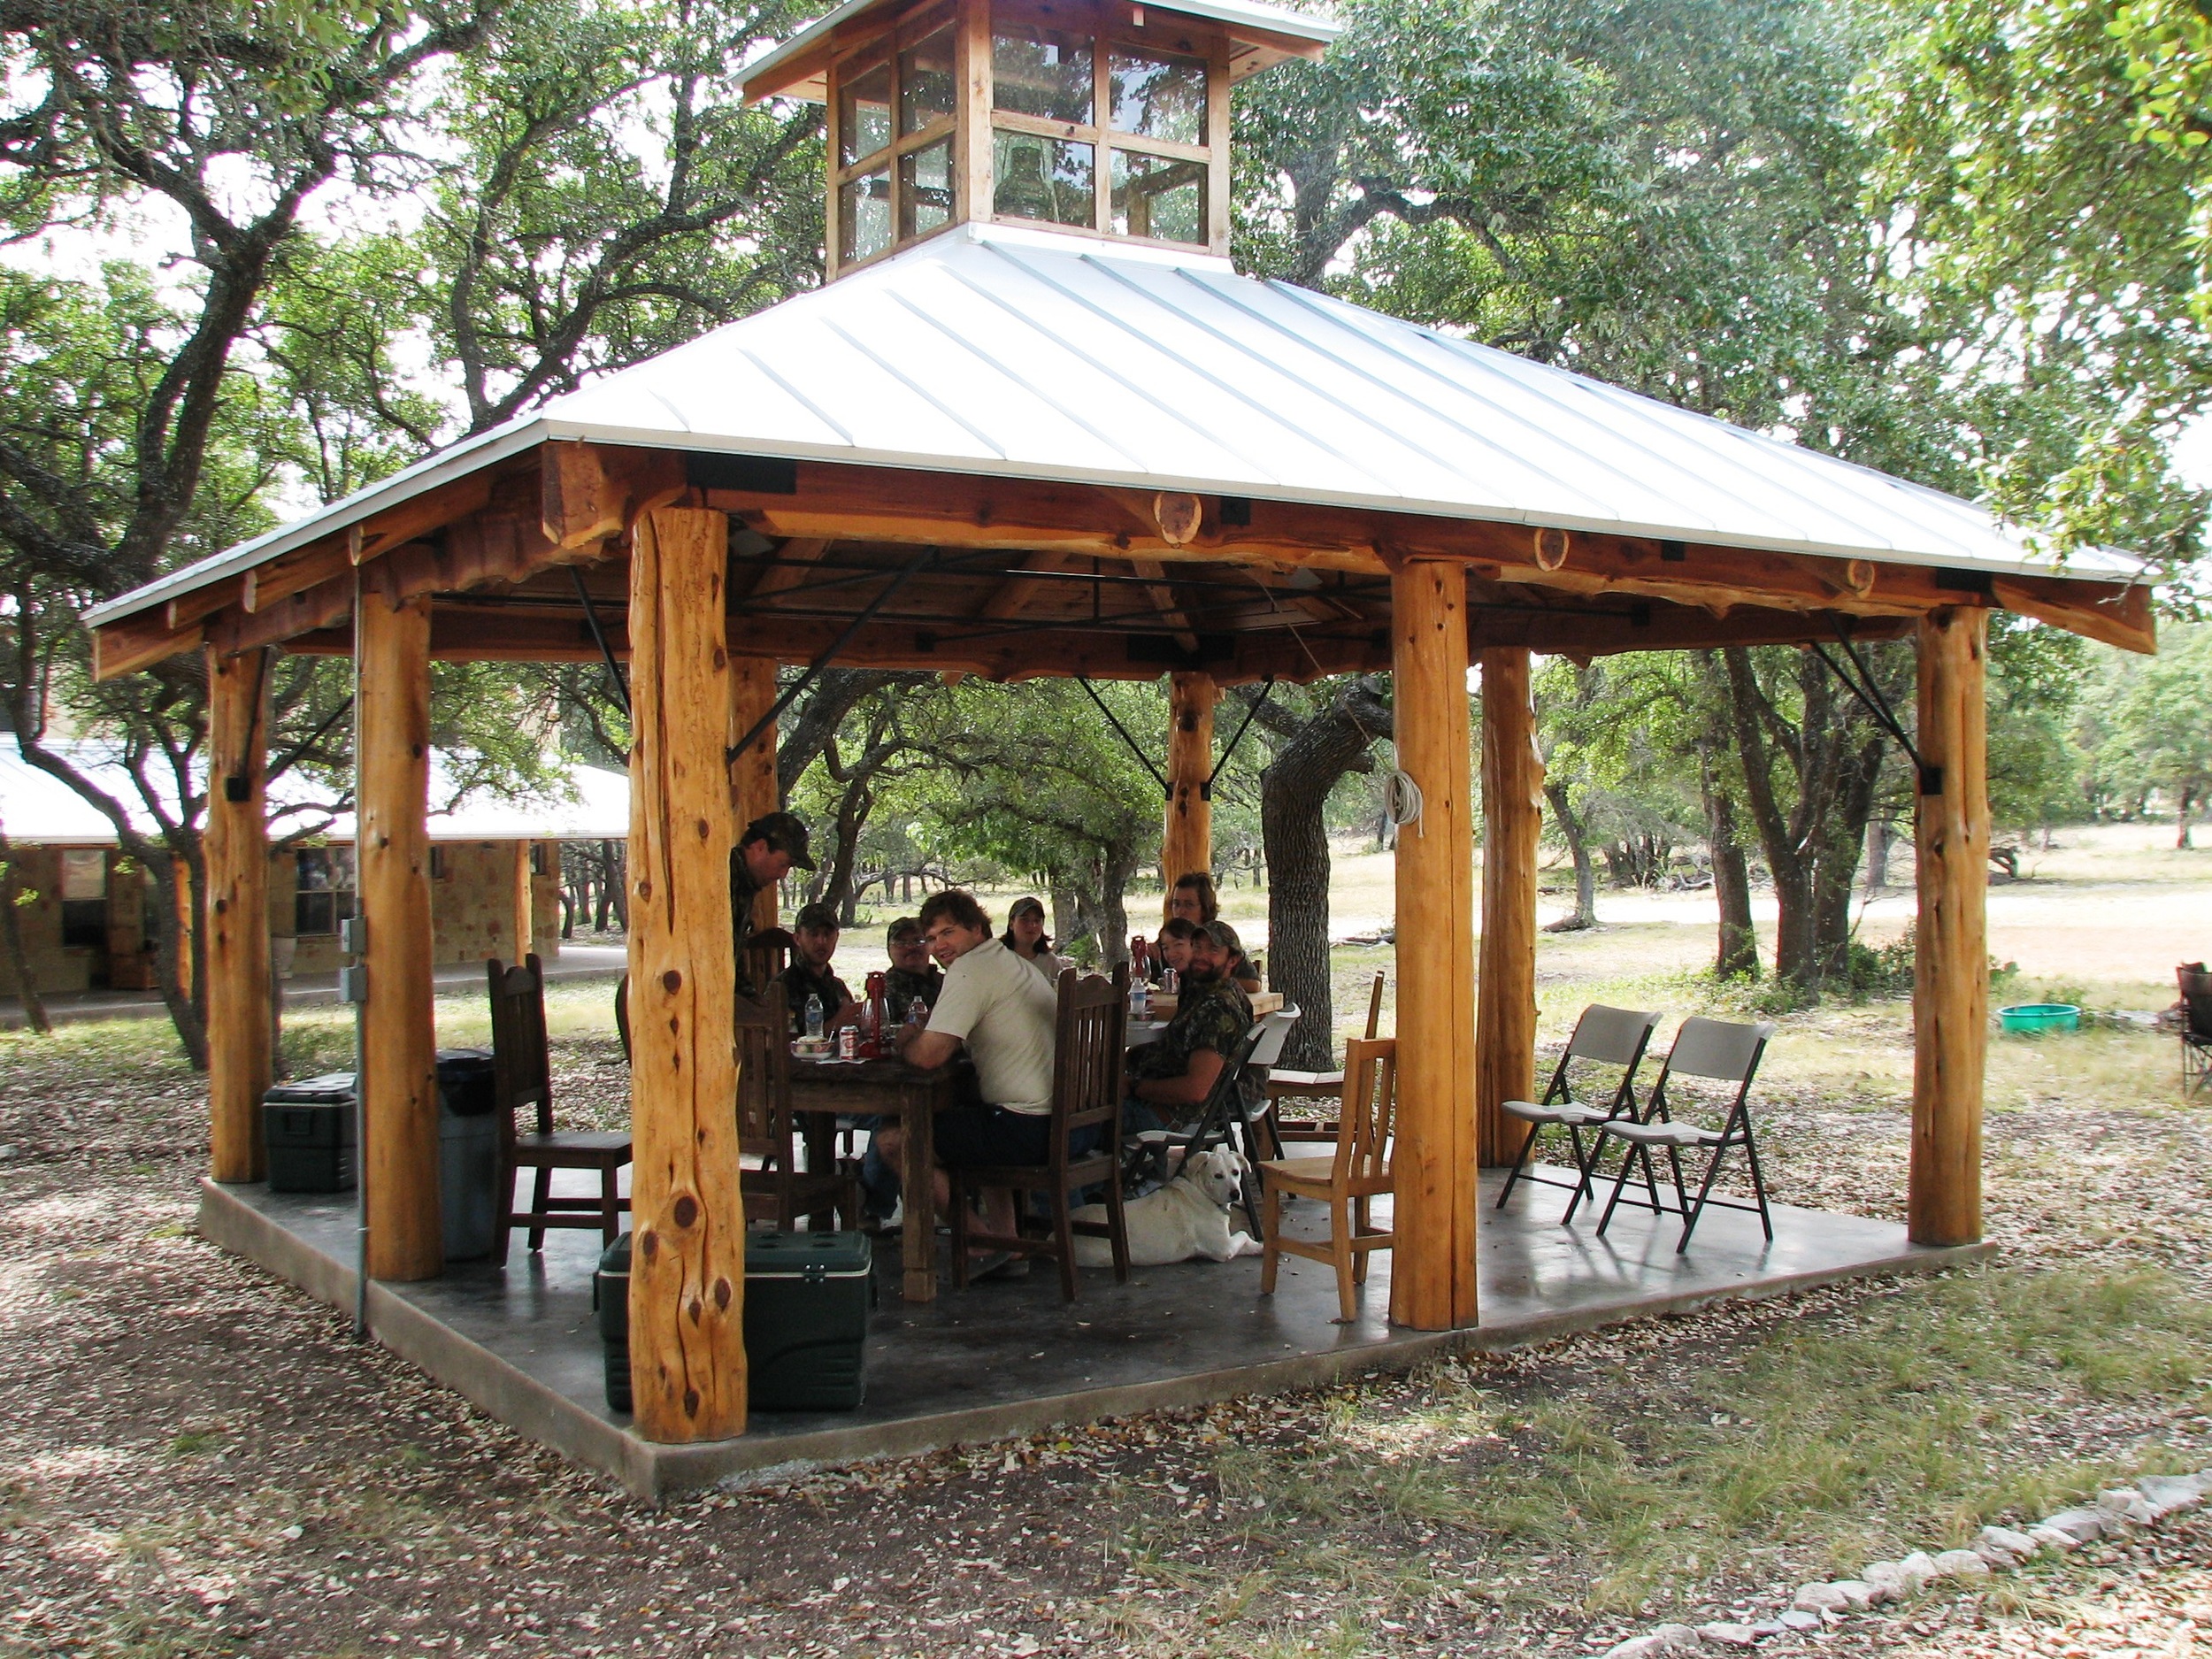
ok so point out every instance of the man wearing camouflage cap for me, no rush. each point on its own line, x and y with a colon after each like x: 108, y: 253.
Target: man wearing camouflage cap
x: 772, y: 845
x: 1173, y: 1074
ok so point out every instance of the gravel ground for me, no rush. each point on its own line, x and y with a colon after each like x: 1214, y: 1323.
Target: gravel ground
x: 194, y: 1459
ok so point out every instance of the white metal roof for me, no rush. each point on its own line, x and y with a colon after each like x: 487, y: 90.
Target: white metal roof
x: 989, y: 349
x: 1251, y: 14
x: 37, y: 809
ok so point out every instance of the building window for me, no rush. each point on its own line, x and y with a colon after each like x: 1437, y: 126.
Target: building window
x: 84, y: 896
x: 895, y: 114
x: 325, y: 895
x: 1055, y: 107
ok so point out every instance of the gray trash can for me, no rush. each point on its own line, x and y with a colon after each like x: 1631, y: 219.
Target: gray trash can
x: 468, y: 1154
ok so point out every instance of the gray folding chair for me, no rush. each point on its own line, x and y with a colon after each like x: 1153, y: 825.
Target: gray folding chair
x: 1602, y: 1037
x: 1720, y: 1052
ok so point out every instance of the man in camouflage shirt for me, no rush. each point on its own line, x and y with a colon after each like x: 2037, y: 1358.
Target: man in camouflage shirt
x: 1173, y: 1074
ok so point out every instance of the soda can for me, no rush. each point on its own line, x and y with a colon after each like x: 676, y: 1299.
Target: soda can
x: 848, y: 1042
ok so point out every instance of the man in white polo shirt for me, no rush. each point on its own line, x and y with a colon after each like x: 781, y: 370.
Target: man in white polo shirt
x: 1003, y: 1011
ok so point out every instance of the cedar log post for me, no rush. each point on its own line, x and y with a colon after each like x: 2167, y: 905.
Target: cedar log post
x: 688, y: 1270
x: 753, y: 790
x: 525, y: 904
x: 1432, y: 1275
x: 1512, y: 788
x: 1950, y: 992
x: 1187, y: 840
x: 399, y: 1098
x: 239, y: 1035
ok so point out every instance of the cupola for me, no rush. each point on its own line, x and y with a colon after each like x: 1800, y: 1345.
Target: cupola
x: 1092, y: 118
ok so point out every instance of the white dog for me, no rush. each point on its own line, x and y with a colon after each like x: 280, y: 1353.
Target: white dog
x: 1188, y: 1217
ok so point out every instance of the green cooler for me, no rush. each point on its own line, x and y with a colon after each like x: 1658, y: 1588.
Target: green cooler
x: 807, y: 1298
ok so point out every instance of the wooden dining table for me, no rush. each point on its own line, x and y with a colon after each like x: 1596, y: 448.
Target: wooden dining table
x: 822, y: 1090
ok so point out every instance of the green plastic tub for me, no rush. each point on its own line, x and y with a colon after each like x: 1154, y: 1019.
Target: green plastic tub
x: 2032, y: 1018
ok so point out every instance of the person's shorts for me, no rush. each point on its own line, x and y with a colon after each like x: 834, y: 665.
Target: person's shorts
x: 970, y: 1136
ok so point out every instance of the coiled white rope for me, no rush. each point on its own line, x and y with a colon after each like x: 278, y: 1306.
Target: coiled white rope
x: 1402, y: 799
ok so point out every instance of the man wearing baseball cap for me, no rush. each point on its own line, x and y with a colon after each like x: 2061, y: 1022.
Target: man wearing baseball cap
x: 1172, y: 1075
x: 773, y: 844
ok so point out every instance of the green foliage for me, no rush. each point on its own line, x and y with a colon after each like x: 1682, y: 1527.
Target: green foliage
x: 2044, y: 164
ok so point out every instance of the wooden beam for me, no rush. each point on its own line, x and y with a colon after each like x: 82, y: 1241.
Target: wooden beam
x: 687, y: 1272
x: 753, y: 787
x: 1432, y: 1162
x: 2122, y: 619
x: 1163, y: 600
x: 1014, y: 595
x: 399, y: 1154
x: 1950, y: 998
x: 237, y: 919
x: 1512, y: 796
x: 1186, y: 838
x: 523, y: 924
x: 790, y: 570
x: 325, y: 605
x: 592, y: 491
x: 133, y: 642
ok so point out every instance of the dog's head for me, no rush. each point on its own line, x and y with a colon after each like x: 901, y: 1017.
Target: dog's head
x: 1219, y: 1174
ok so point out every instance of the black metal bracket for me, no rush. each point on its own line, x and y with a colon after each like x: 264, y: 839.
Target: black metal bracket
x: 1167, y: 789
x: 599, y: 637
x: 1267, y: 690
x: 790, y: 693
x: 1870, y: 694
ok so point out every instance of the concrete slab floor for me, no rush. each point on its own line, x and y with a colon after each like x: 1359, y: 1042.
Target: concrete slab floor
x: 1006, y: 1359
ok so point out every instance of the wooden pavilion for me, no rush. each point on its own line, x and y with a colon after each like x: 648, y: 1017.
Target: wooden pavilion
x: 1036, y: 425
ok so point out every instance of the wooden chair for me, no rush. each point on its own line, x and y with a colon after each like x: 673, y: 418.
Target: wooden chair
x: 1282, y: 1085
x: 1602, y: 1036
x: 1347, y: 1181
x: 522, y: 1076
x: 775, y: 1188
x: 1091, y: 1031
x: 1720, y: 1052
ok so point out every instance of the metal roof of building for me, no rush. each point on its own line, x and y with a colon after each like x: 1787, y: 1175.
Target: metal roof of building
x: 39, y: 809
x: 996, y: 351
x: 1234, y: 14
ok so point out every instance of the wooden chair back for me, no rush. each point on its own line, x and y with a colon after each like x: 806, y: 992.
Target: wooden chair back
x: 763, y: 1075
x: 765, y: 960
x: 1090, y: 1055
x: 522, y: 1068
x: 1374, y: 1006
x: 1371, y: 1098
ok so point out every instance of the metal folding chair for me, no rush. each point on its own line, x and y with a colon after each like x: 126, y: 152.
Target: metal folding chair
x: 1720, y: 1052
x: 1602, y: 1037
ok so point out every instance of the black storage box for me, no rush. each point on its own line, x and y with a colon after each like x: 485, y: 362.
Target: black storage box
x: 308, y: 1126
x: 807, y: 1297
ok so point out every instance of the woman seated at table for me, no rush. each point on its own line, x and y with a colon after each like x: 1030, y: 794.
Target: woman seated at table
x: 1026, y: 938
x: 1170, y: 949
x: 1193, y: 899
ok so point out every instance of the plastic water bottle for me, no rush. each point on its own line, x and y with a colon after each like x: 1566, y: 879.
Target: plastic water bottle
x: 1139, y: 1001
x: 813, y: 1015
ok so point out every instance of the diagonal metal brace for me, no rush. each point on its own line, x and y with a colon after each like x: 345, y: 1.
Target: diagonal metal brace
x: 1267, y: 690
x: 599, y: 637
x: 1870, y: 696
x: 921, y: 561
x: 1167, y: 789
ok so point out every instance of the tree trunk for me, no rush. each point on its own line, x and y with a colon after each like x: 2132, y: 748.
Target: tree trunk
x: 1585, y: 913
x: 1838, y: 840
x: 1293, y: 794
x: 1879, y: 833
x: 11, y: 940
x: 1735, y: 954
x: 2181, y: 818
